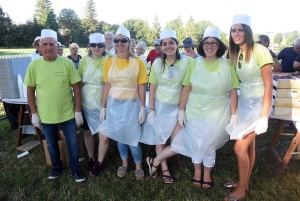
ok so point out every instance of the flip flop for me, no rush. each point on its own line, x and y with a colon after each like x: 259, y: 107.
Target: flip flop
x: 139, y: 174
x: 209, y: 183
x: 229, y: 184
x: 197, y: 181
x: 122, y: 170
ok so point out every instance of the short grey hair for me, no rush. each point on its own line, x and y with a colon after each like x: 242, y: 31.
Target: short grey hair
x: 143, y: 44
x: 70, y: 46
x: 297, y: 41
x: 109, y: 33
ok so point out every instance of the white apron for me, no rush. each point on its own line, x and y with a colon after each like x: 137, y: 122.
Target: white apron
x: 158, y: 129
x: 249, y: 101
x: 207, y: 112
x: 92, y: 95
x: 123, y: 105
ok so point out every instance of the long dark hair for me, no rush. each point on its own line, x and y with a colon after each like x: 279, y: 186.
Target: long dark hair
x: 234, y: 48
x: 164, y: 57
x: 220, y: 52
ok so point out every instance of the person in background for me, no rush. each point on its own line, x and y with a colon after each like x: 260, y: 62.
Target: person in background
x: 208, y: 98
x: 188, y: 46
x: 296, y: 64
x: 265, y: 41
x: 288, y: 56
x: 51, y: 78
x: 74, y: 56
x: 123, y: 104
x: 36, y: 45
x: 155, y: 53
x: 140, y: 50
x: 109, y: 42
x: 165, y: 88
x: 254, y: 69
x: 90, y: 71
x: 60, y: 49
x: 132, y: 46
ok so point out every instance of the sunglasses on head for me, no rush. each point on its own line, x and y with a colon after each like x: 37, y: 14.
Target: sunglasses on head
x: 259, y: 42
x: 99, y: 45
x: 240, y: 61
x: 122, y: 40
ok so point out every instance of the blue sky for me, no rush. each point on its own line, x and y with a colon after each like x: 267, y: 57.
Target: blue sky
x: 274, y: 16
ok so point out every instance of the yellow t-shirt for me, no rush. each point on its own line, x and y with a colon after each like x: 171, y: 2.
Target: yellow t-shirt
x: 211, y: 67
x: 153, y: 79
x: 53, y: 81
x: 97, y: 62
x: 122, y: 64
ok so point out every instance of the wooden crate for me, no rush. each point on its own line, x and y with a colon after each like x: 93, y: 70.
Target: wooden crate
x: 287, y: 84
x: 287, y: 102
x: 287, y: 111
x: 287, y: 93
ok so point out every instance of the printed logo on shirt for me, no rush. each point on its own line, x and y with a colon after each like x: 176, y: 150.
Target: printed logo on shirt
x: 59, y: 74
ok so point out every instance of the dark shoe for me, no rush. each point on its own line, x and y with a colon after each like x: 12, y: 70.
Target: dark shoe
x: 54, y: 173
x: 98, y: 167
x: 209, y: 184
x: 91, y: 164
x: 167, y: 178
x: 149, y: 161
x: 78, y: 177
x: 197, y: 181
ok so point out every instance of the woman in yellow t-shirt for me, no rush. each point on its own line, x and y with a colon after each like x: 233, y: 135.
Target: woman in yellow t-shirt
x: 165, y: 88
x: 123, y: 104
x: 90, y: 71
x: 208, y: 98
x: 254, y: 70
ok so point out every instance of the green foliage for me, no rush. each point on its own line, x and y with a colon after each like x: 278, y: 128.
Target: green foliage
x: 191, y: 29
x: 291, y: 38
x: 42, y: 9
x: 89, y: 23
x: 5, y: 28
x: 51, y: 22
x: 156, y: 29
x: 278, y: 38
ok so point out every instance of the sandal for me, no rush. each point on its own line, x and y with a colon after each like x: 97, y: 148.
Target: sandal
x: 139, y: 174
x: 230, y: 198
x: 229, y: 185
x: 167, y: 178
x: 150, y: 165
x: 209, y: 183
x: 197, y: 181
x: 122, y: 170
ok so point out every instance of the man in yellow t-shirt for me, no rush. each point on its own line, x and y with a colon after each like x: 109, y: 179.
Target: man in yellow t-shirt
x: 52, y: 77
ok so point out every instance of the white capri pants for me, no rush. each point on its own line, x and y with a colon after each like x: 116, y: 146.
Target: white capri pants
x: 208, y: 161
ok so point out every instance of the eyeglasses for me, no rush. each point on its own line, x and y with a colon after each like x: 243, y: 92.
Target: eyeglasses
x: 99, y: 45
x: 139, y: 49
x: 240, y: 61
x: 213, y: 44
x: 259, y: 42
x: 122, y: 40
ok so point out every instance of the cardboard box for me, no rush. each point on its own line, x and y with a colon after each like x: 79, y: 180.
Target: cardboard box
x: 287, y: 84
x: 287, y: 102
x: 287, y: 93
x: 64, y: 149
x: 287, y: 111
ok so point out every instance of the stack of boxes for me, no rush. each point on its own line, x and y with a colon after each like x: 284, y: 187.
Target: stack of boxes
x: 286, y: 95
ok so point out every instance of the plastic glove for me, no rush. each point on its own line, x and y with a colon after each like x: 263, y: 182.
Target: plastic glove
x: 151, y: 114
x: 142, y: 115
x: 78, y: 119
x: 181, y: 118
x: 261, y: 125
x: 233, y: 118
x: 102, y: 114
x: 35, y: 120
x: 298, y: 125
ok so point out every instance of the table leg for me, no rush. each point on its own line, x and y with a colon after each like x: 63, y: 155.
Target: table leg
x: 275, y: 138
x: 37, y: 130
x: 20, y: 125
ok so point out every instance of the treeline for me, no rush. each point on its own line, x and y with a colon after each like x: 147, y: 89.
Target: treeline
x: 71, y: 28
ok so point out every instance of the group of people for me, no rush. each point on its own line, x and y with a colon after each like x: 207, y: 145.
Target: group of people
x: 193, y: 101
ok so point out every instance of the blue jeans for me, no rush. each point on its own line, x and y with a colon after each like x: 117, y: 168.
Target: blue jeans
x: 69, y: 130
x: 135, y: 151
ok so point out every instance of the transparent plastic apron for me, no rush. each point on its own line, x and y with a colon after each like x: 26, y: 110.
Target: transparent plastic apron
x: 249, y: 101
x: 207, y: 112
x: 123, y: 105
x: 92, y: 95
x: 158, y: 129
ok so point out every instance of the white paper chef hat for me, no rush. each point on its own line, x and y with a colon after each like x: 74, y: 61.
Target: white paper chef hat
x: 96, y: 38
x: 122, y: 30
x: 241, y: 19
x: 167, y: 34
x: 48, y: 33
x: 212, y: 32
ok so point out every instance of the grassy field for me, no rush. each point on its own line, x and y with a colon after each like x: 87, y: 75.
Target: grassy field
x: 26, y: 178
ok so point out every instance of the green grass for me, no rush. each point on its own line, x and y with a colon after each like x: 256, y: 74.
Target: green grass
x: 26, y: 178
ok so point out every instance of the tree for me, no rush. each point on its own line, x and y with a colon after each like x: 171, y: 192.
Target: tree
x: 5, y: 28
x: 278, y: 38
x: 156, y: 29
x: 191, y: 29
x: 42, y: 8
x: 201, y: 26
x: 51, y: 22
x: 69, y: 26
x: 291, y: 38
x: 134, y: 26
x: 177, y: 26
x: 89, y: 23
x: 145, y: 34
